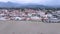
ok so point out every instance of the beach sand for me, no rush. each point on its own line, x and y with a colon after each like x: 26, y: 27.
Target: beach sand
x: 28, y: 27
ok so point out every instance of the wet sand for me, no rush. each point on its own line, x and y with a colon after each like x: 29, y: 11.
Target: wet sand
x: 28, y: 27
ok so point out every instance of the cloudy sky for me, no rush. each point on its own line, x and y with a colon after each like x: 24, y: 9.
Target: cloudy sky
x: 45, y: 2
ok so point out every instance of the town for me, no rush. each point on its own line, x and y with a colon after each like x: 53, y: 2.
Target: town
x: 46, y: 16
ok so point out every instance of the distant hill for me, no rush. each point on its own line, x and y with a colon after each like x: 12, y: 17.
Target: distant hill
x: 17, y: 5
x: 9, y: 4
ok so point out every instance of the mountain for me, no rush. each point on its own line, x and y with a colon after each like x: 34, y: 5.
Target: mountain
x: 9, y: 4
x: 18, y: 5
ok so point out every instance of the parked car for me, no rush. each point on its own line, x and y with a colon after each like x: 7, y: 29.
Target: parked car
x: 53, y: 20
x: 19, y: 18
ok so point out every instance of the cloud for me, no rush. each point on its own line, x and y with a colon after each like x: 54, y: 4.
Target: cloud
x: 4, y: 0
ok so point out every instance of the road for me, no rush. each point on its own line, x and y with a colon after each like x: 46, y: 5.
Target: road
x: 22, y: 27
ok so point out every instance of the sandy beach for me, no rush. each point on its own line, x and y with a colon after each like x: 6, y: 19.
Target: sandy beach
x: 28, y: 27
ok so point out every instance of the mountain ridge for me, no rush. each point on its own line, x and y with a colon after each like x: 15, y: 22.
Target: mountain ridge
x: 18, y: 5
